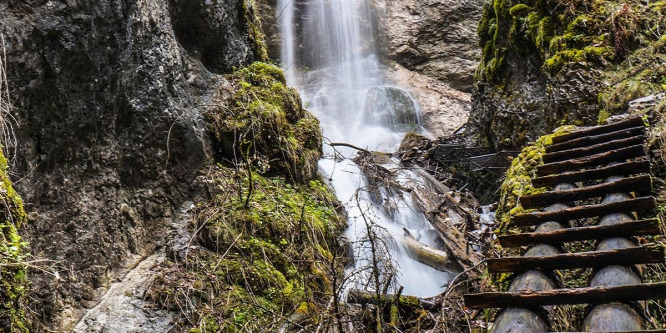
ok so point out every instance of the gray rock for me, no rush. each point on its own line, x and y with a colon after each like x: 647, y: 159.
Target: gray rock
x: 436, y: 38
x: 123, y: 309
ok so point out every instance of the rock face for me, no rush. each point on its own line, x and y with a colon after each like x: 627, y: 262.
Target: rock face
x: 549, y: 63
x: 436, y: 38
x: 109, y: 97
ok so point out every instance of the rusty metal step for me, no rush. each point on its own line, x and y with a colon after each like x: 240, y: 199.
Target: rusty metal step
x: 618, y: 155
x: 641, y: 204
x: 628, y: 256
x: 590, y: 295
x: 625, y: 229
x: 638, y: 184
x: 570, y: 154
x: 620, y: 125
x: 621, y: 169
x: 595, y: 139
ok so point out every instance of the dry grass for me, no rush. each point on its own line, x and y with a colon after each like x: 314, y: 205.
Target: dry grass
x: 8, y: 139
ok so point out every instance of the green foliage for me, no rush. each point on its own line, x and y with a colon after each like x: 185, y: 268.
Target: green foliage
x: 591, y: 57
x: 258, y: 265
x: 255, y: 30
x: 13, y: 280
x: 565, y: 32
x: 266, y: 127
x: 642, y: 73
x: 518, y: 180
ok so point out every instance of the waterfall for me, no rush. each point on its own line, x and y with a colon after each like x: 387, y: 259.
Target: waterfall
x: 329, y: 54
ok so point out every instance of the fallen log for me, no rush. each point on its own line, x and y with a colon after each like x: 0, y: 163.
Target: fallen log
x: 427, y: 255
x: 453, y: 239
x: 361, y: 297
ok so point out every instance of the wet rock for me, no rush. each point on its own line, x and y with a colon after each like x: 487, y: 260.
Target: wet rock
x: 390, y: 106
x: 443, y: 109
x: 214, y: 32
x: 545, y: 65
x: 123, y: 309
x: 412, y: 141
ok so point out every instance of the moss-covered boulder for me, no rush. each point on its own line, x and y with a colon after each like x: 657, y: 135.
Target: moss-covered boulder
x: 548, y: 63
x: 13, y: 280
x: 265, y: 126
x: 265, y: 249
x: 258, y: 263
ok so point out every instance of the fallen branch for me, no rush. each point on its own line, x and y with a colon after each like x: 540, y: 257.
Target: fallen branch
x: 427, y: 255
x: 361, y: 297
x: 453, y: 239
x: 342, y: 144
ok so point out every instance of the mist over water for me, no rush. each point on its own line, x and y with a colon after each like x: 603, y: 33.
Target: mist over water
x: 328, y: 53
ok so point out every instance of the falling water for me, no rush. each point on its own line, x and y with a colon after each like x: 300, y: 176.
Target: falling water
x: 328, y: 53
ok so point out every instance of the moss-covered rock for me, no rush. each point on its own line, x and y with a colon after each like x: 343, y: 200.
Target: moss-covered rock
x: 518, y: 180
x: 547, y: 63
x: 266, y: 127
x: 260, y: 263
x: 13, y: 280
x: 267, y: 235
x: 255, y: 30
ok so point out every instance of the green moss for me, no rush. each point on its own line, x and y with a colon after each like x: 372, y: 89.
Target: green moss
x: 13, y: 279
x: 588, y: 54
x: 603, y: 117
x: 258, y: 264
x: 256, y: 33
x: 518, y: 180
x: 520, y: 10
x: 617, y: 46
x: 266, y: 127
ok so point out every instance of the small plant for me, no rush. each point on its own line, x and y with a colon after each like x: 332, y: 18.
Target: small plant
x: 13, y: 280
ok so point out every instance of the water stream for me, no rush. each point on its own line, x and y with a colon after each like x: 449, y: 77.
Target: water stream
x: 328, y: 53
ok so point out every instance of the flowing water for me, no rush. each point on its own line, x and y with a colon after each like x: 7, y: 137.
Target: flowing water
x: 328, y: 53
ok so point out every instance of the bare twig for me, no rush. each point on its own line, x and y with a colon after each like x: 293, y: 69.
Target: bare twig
x: 343, y: 144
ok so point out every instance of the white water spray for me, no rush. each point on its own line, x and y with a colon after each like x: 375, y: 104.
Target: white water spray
x: 328, y: 53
